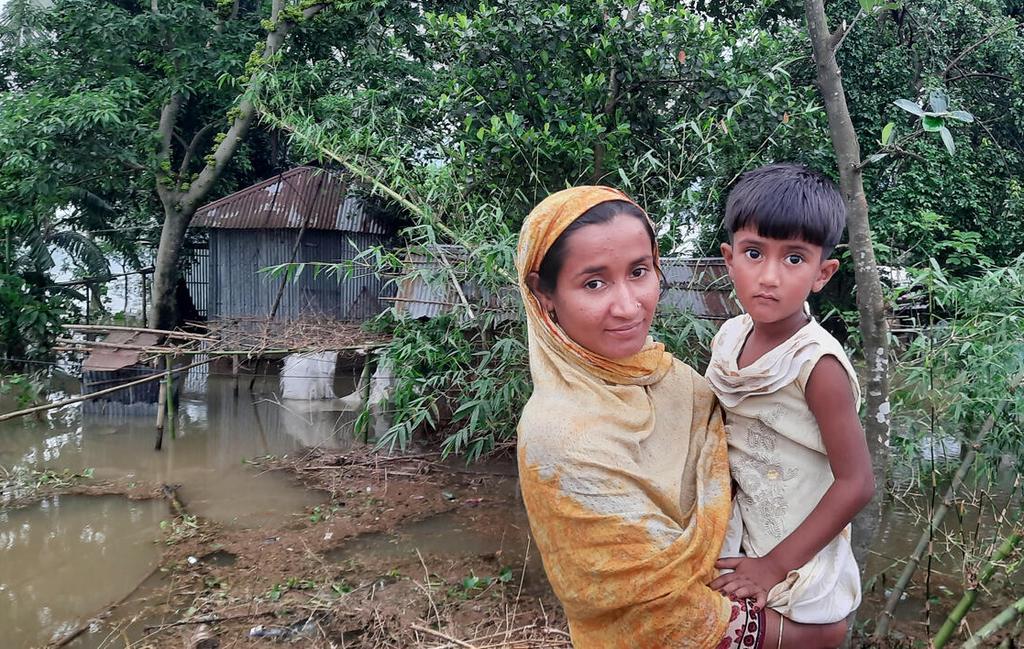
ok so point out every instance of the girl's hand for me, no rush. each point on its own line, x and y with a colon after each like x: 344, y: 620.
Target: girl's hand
x: 750, y: 578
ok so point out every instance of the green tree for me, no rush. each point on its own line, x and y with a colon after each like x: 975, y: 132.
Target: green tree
x: 147, y: 106
x: 505, y: 102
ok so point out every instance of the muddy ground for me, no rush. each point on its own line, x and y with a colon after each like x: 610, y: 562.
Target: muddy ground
x: 346, y: 573
x: 403, y: 552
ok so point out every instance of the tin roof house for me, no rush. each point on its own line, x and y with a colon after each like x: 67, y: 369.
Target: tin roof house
x: 697, y: 285
x: 305, y: 214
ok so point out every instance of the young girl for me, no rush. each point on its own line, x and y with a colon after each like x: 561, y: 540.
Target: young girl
x: 797, y: 452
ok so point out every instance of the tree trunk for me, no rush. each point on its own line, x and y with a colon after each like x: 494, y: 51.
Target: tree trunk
x: 870, y: 306
x: 164, y: 308
x: 180, y: 201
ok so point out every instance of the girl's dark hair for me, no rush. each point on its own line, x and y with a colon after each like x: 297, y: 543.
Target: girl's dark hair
x: 788, y: 201
x: 604, y: 212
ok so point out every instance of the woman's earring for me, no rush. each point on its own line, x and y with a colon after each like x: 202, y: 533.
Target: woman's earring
x: 553, y: 316
x: 639, y: 306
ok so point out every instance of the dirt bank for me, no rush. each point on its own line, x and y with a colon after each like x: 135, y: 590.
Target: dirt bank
x: 403, y: 552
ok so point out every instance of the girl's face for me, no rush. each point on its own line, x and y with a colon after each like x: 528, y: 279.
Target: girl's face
x: 773, y: 277
x: 607, y: 289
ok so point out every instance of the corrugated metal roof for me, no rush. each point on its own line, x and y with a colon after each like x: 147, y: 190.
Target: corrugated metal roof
x: 287, y: 200
x: 699, y: 285
x: 111, y: 360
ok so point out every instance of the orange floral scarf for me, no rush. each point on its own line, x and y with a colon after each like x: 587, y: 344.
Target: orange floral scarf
x: 624, y: 474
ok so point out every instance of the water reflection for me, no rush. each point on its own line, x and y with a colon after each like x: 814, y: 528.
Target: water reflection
x: 66, y: 558
x: 214, y: 437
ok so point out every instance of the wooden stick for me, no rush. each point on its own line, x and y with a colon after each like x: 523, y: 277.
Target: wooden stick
x: 443, y: 636
x: 159, y: 349
x: 169, y: 378
x: 66, y: 640
x: 361, y: 347
x: 161, y: 412
x: 205, y: 620
x: 164, y: 332
x: 93, y: 395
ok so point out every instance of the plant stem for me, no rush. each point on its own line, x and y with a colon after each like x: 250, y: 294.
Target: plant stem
x: 885, y: 618
x: 956, y: 616
x: 1008, y: 614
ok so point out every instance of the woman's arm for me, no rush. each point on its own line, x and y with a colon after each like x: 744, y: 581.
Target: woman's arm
x: 830, y: 398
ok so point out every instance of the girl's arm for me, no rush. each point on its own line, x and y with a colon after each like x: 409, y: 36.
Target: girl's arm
x: 830, y: 398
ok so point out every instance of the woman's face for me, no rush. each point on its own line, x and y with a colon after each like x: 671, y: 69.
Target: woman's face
x: 607, y: 289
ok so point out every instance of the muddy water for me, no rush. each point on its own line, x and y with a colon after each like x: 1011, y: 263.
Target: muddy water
x: 65, y: 559
x: 496, y: 528
x: 938, y: 581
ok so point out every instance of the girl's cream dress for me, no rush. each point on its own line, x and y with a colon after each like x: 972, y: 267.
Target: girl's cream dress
x: 779, y: 464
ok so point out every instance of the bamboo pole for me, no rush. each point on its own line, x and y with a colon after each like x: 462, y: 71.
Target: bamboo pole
x: 171, y: 410
x: 1008, y: 614
x: 183, y: 335
x: 93, y: 395
x: 154, y: 349
x: 361, y: 347
x: 956, y: 616
x: 161, y: 412
x: 885, y: 617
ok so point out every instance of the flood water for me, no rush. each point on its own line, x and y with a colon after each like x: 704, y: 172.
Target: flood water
x: 501, y: 533
x: 65, y: 559
x: 71, y: 555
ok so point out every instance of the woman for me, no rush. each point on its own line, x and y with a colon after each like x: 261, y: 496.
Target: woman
x: 622, y: 453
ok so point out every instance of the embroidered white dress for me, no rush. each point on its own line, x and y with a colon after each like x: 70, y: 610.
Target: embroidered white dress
x: 778, y: 461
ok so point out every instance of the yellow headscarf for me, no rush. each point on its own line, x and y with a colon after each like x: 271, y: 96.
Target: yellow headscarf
x: 624, y: 473
x: 540, y: 231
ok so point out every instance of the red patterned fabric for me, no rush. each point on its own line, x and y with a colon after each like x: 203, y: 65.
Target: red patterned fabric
x: 746, y: 627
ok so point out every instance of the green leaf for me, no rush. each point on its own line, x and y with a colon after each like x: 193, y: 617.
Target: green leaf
x: 932, y: 123
x: 910, y: 107
x: 938, y: 101
x: 962, y: 116
x: 888, y: 133
x: 875, y: 157
x: 947, y: 139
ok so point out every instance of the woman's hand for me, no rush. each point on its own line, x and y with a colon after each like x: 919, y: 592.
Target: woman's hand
x: 751, y: 578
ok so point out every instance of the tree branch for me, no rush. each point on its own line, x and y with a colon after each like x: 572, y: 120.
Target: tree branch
x: 611, y: 100
x: 246, y: 111
x: 168, y: 120
x: 838, y: 37
x: 192, y: 147
x: 984, y: 39
x: 988, y: 75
